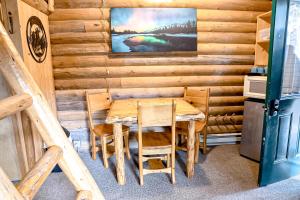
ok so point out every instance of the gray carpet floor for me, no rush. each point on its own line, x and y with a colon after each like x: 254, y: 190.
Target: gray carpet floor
x: 222, y: 174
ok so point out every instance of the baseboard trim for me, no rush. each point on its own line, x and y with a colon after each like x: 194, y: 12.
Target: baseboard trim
x: 212, y: 140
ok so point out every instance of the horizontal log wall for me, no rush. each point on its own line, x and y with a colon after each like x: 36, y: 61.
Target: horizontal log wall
x: 81, y: 41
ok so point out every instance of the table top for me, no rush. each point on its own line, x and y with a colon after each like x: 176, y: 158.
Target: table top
x: 125, y: 110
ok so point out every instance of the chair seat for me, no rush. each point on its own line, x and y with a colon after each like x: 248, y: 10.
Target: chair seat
x: 199, y: 125
x: 107, y: 129
x: 156, y: 140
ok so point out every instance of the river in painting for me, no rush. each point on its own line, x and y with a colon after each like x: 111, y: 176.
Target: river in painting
x: 153, y: 42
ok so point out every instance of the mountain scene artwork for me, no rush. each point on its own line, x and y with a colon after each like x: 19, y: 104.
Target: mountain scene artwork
x: 153, y: 29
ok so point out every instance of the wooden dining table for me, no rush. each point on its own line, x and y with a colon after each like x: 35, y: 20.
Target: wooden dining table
x: 125, y: 112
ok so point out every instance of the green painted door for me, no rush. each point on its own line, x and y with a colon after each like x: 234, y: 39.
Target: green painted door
x: 280, y: 155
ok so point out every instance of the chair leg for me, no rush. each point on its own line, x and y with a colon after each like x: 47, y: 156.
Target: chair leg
x: 204, y: 140
x: 168, y: 160
x: 126, y: 142
x: 197, y: 145
x: 93, y: 144
x: 141, y: 170
x: 173, y: 167
x: 182, y: 139
x: 104, y: 151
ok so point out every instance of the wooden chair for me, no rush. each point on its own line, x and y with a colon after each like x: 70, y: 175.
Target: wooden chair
x: 157, y: 145
x: 199, y: 97
x: 101, y: 102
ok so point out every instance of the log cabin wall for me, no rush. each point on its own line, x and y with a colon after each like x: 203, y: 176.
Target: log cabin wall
x: 80, y: 45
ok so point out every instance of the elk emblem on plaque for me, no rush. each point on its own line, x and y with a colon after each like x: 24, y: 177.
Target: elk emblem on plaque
x: 36, y: 39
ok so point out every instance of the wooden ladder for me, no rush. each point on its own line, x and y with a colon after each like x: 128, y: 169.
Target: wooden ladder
x: 30, y: 98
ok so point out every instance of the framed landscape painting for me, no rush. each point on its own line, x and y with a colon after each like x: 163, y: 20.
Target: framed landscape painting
x: 153, y: 29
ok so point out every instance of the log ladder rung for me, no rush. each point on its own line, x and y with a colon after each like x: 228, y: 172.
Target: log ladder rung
x: 34, y: 179
x: 14, y: 104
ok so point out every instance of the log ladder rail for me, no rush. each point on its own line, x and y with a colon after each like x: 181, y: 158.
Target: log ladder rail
x: 30, y: 99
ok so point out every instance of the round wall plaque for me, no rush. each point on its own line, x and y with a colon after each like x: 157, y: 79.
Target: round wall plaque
x: 36, y: 39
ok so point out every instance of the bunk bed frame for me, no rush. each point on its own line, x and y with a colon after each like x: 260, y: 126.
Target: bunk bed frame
x: 60, y: 151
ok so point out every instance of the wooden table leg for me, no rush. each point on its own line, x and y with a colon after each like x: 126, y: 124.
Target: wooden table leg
x: 190, y: 150
x: 118, y: 137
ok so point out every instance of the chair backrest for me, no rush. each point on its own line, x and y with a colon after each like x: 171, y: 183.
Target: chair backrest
x: 198, y: 97
x: 97, y: 101
x: 163, y: 115
x: 156, y: 115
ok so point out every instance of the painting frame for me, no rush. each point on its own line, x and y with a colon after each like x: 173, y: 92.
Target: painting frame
x: 189, y: 35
